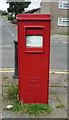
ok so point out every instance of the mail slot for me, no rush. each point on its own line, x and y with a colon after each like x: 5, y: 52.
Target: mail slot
x: 33, y: 57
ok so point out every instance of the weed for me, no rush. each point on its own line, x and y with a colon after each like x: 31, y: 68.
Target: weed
x: 4, y: 77
x: 56, y: 86
x: 65, y: 80
x: 5, y: 85
x: 57, y: 98
x: 32, y: 109
x: 63, y: 33
x: 60, y: 106
x: 4, y: 16
x: 19, y: 106
x: 53, y: 72
x: 12, y: 92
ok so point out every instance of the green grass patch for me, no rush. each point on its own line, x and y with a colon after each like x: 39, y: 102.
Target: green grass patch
x: 60, y: 106
x: 57, y: 98
x: 63, y: 33
x: 4, y: 77
x: 57, y: 86
x: 31, y: 109
x: 12, y: 92
x: 65, y: 80
x: 3, y: 16
x: 53, y: 72
x: 20, y: 106
x: 5, y: 86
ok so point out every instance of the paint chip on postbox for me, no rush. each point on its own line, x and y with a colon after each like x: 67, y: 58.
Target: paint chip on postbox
x: 34, y: 41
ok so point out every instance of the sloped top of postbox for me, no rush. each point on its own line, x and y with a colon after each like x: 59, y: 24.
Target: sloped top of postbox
x: 33, y: 17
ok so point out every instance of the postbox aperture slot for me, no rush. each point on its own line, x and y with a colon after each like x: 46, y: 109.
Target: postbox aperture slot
x: 32, y: 31
x: 34, y: 41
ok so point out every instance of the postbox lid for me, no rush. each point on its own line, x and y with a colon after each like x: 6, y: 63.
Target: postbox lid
x: 33, y: 17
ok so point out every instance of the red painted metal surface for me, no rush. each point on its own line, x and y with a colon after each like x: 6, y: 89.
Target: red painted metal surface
x: 33, y: 62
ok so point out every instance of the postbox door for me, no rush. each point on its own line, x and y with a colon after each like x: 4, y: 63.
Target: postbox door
x: 33, y: 64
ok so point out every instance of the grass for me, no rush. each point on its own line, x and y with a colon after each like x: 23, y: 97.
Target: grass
x: 20, y: 106
x: 12, y: 92
x: 57, y: 98
x: 60, y: 106
x: 31, y: 109
x: 57, y: 86
x: 4, y: 77
x: 53, y: 72
x: 65, y: 80
x: 1, y: 16
x: 63, y: 33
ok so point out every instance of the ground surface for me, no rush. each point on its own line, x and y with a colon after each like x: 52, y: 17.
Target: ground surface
x: 57, y: 96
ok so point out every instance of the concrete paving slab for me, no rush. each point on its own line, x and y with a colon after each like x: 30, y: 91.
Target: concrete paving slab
x: 57, y: 113
x: 52, y: 101
x: 58, y: 90
x: 10, y: 114
x: 63, y: 100
x: 58, y: 80
x: 68, y: 102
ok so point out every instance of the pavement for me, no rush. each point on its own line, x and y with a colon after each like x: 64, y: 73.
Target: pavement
x: 57, y: 96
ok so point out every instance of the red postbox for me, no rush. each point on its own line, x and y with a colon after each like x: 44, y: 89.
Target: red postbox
x: 33, y: 57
